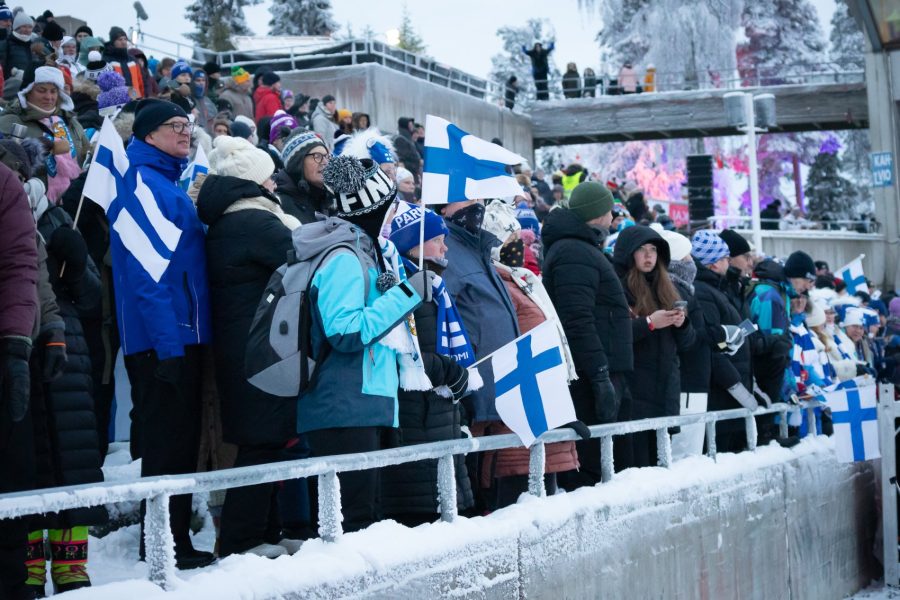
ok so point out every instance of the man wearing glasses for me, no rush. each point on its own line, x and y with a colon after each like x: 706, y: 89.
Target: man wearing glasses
x: 162, y: 306
x: 300, y: 186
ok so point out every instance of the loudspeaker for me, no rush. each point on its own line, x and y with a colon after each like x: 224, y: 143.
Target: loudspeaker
x: 700, y: 186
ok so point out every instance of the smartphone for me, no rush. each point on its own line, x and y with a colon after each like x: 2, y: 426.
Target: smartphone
x: 680, y: 305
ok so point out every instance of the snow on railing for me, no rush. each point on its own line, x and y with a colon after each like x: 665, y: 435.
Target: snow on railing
x: 157, y: 490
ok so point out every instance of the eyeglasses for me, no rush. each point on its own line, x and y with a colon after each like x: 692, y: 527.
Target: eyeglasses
x: 179, y: 126
x: 318, y: 157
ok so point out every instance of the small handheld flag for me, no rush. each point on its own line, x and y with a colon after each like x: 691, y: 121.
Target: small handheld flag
x: 199, y: 165
x: 855, y: 417
x: 853, y: 276
x: 531, y: 384
x: 460, y: 166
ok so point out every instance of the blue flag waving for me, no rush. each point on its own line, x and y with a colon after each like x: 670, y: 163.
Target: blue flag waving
x: 460, y: 166
x: 531, y: 383
x: 853, y: 276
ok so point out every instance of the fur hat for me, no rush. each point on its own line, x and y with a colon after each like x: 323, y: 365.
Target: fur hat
x: 49, y: 75
x: 406, y: 223
x: 370, y: 143
x: 237, y: 157
x: 359, y: 185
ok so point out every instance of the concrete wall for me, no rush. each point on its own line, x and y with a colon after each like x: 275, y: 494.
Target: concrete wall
x: 799, y: 526
x: 388, y: 95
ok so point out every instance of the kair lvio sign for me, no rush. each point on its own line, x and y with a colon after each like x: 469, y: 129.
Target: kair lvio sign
x: 882, y: 169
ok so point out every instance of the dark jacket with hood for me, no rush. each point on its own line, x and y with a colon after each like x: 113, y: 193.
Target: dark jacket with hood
x: 695, y: 361
x: 426, y: 417
x: 768, y: 298
x: 300, y: 199
x: 484, y: 305
x: 726, y: 370
x: 590, y: 302
x: 655, y: 383
x: 246, y: 242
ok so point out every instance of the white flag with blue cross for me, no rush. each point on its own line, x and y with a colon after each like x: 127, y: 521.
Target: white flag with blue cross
x: 855, y: 418
x: 853, y: 276
x: 531, y: 383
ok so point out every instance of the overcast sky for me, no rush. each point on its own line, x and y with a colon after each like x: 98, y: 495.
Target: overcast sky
x: 461, y: 33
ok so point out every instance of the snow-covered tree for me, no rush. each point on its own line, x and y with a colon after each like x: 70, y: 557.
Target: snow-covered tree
x: 216, y: 21
x: 829, y: 194
x: 512, y: 61
x: 302, y: 17
x: 410, y: 40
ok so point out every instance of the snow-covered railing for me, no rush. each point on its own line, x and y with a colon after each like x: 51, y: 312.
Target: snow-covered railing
x: 158, y: 538
x: 888, y: 413
x: 743, y: 222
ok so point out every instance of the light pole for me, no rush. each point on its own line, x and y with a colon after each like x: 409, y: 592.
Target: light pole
x: 741, y: 111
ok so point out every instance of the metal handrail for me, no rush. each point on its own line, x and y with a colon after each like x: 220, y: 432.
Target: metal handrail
x: 157, y: 490
x: 743, y: 222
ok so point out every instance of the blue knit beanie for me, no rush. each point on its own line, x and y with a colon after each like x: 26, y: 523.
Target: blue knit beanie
x: 708, y: 247
x: 406, y: 224
x: 179, y: 68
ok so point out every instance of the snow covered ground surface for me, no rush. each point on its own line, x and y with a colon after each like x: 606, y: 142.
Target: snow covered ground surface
x: 877, y: 592
x: 387, y: 546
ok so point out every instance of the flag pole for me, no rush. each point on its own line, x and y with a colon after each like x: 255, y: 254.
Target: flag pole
x: 422, y: 238
x: 62, y: 269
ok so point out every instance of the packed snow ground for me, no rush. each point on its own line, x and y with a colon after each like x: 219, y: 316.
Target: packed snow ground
x: 117, y: 573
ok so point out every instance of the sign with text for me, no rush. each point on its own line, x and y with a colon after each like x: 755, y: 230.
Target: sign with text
x: 882, y: 169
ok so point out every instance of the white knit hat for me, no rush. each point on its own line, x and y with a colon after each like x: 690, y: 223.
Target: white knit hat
x: 22, y: 19
x: 500, y: 220
x: 403, y: 174
x: 816, y: 316
x: 49, y: 75
x: 237, y: 157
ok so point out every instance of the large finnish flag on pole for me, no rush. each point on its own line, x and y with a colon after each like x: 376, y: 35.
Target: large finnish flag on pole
x: 531, y: 384
x: 460, y: 166
x: 855, y: 418
x: 106, y: 175
x: 853, y: 276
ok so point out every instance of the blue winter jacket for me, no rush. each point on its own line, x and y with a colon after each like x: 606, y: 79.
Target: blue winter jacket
x: 162, y: 297
x: 487, y: 312
x: 770, y: 310
x: 356, y: 384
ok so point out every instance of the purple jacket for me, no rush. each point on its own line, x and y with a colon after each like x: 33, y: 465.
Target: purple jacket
x: 18, y: 259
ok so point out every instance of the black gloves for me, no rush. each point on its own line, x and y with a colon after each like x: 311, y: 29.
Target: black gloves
x: 54, y: 354
x: 580, y: 428
x: 15, y: 380
x: 422, y: 283
x: 606, y: 402
x: 862, y: 369
x: 67, y: 246
x: 458, y: 381
x: 170, y: 370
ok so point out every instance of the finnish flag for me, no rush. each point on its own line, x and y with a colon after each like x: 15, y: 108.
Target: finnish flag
x: 460, y: 166
x: 855, y: 418
x: 106, y: 175
x: 199, y: 165
x: 853, y: 276
x: 531, y: 383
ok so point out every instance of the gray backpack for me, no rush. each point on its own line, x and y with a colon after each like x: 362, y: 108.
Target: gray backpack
x: 278, y: 358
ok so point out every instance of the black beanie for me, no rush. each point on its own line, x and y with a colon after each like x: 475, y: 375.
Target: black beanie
x: 85, y: 29
x: 270, y: 78
x: 737, y: 245
x: 211, y: 68
x: 115, y: 33
x: 151, y: 113
x: 800, y: 265
x: 53, y: 32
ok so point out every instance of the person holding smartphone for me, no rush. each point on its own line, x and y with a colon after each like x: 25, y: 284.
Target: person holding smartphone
x: 659, y: 329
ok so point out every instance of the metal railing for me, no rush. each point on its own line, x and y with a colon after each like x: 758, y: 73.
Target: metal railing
x: 158, y: 538
x: 743, y: 222
x: 888, y: 413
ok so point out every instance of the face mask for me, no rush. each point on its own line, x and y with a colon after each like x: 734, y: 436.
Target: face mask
x: 513, y: 254
x: 469, y: 218
x: 199, y: 88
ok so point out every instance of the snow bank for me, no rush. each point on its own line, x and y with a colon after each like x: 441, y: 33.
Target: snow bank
x: 701, y: 528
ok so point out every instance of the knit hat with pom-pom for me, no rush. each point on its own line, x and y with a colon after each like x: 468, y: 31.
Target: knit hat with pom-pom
x: 114, y: 91
x: 364, y: 193
x: 236, y: 157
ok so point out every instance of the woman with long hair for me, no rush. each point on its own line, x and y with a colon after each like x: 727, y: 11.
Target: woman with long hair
x: 660, y: 329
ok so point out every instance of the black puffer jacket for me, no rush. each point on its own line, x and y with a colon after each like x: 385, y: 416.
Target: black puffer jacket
x: 246, y: 242
x: 726, y: 370
x: 65, y: 424
x: 302, y: 201
x: 655, y: 383
x: 695, y: 361
x: 426, y: 417
x: 590, y: 303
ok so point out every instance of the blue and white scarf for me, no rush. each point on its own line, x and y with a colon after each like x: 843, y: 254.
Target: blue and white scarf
x: 452, y: 339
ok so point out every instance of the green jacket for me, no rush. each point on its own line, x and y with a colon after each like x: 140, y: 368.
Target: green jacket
x: 31, y: 118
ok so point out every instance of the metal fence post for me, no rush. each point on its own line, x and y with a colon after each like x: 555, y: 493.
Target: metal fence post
x: 446, y: 482
x: 750, y: 427
x: 711, y: 439
x: 887, y: 414
x: 159, y: 544
x: 536, y: 458
x: 783, y: 423
x: 607, y: 466
x: 811, y: 421
x: 663, y: 447
x: 330, y: 516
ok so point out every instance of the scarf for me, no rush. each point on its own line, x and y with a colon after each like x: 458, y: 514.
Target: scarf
x: 452, y: 339
x: 61, y: 168
x: 683, y: 272
x: 402, y: 338
x: 469, y: 218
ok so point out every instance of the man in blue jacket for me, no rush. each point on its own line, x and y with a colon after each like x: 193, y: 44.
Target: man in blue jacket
x: 162, y: 305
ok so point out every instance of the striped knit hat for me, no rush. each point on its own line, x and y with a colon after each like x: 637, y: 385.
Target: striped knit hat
x: 239, y: 75
x: 708, y: 247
